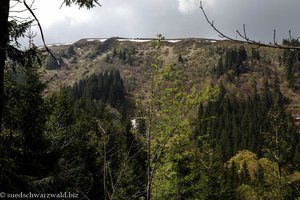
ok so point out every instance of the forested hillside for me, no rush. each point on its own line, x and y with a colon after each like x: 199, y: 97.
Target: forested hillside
x: 153, y: 119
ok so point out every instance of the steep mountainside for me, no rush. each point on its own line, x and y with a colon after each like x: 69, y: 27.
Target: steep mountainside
x: 201, y: 58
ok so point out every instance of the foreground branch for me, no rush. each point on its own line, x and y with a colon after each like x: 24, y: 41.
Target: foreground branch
x: 245, y: 38
x: 41, y: 31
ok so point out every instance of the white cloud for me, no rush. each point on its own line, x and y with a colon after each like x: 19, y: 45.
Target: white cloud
x: 208, y: 3
x: 187, y: 6
x: 50, y: 14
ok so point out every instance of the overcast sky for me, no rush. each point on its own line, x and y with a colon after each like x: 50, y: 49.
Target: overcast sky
x: 171, y: 18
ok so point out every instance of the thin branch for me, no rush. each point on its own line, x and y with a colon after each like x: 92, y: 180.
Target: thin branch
x: 213, y: 26
x: 98, y: 3
x: 31, y: 5
x: 245, y: 32
x: 21, y: 11
x: 17, y: 18
x: 244, y: 37
x: 12, y: 6
x: 41, y: 31
x: 111, y: 180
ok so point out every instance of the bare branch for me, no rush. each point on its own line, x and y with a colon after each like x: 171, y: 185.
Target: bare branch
x: 14, y: 5
x: 19, y: 19
x: 211, y: 23
x: 245, y: 38
x: 245, y: 33
x: 21, y: 11
x: 41, y: 32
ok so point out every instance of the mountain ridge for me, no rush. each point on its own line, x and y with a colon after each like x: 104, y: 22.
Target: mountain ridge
x: 133, y: 58
x: 133, y: 39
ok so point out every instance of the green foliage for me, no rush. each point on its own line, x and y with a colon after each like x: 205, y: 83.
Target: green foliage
x: 210, y: 181
x: 57, y: 143
x: 55, y: 63
x: 23, y: 59
x: 70, y: 52
x: 97, y: 149
x: 81, y: 138
x: 17, y: 30
x: 277, y: 141
x: 172, y: 152
x: 255, y: 54
x: 233, y: 59
x: 251, y: 178
x: 290, y: 60
x: 82, y: 3
x: 50, y: 145
x: 107, y: 88
x: 126, y: 55
x: 28, y: 157
x: 180, y: 59
x: 108, y: 59
x: 237, y: 124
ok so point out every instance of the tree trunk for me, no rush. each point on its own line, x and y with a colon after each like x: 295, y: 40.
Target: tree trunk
x: 4, y: 11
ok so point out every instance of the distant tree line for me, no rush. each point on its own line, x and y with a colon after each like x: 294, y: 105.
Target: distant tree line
x: 236, y: 60
x: 125, y: 55
x: 290, y: 59
x: 106, y: 87
x: 233, y: 59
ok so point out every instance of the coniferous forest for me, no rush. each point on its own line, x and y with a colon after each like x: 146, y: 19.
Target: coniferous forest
x: 155, y: 120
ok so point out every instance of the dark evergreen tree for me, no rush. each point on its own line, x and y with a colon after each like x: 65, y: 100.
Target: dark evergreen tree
x: 24, y: 146
x: 234, y: 59
x: 255, y: 54
x: 108, y: 59
x: 219, y: 68
x: 236, y: 124
x: 244, y: 174
x: 233, y: 175
x: 241, y: 55
x: 130, y: 60
x: 115, y: 53
x: 289, y: 72
x: 107, y: 87
x: 180, y: 59
x: 290, y: 58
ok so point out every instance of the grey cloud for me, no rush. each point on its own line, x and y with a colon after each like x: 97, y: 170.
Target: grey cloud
x: 260, y: 17
x: 146, y: 18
